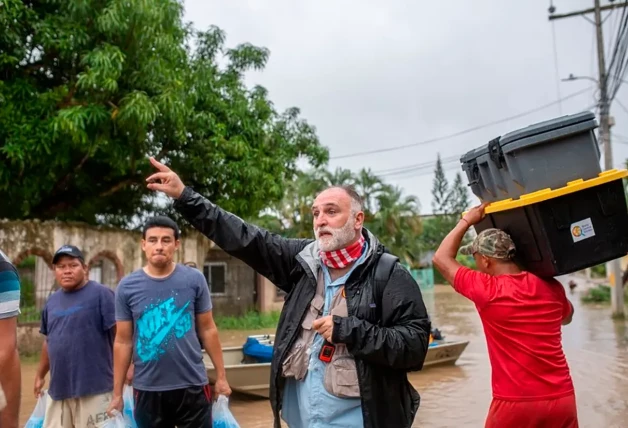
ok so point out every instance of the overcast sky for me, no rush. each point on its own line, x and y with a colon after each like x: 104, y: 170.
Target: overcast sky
x: 378, y: 74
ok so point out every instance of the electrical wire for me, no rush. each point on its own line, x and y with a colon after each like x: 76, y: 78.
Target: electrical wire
x: 619, y: 60
x: 463, y: 132
x: 419, y: 169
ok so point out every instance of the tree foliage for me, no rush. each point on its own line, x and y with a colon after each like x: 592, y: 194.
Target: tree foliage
x: 89, y: 89
x: 448, y: 203
x: 440, y: 190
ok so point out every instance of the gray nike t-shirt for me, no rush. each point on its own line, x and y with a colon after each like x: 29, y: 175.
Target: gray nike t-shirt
x: 166, y: 350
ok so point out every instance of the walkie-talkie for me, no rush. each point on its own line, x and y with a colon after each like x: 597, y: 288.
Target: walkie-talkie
x: 327, y: 352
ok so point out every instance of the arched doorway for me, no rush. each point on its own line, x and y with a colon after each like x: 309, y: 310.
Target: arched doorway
x: 106, y: 268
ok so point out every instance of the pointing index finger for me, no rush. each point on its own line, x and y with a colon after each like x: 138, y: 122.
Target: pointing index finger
x: 160, y: 166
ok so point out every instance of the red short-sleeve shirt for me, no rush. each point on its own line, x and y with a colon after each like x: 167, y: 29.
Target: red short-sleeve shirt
x: 522, y: 317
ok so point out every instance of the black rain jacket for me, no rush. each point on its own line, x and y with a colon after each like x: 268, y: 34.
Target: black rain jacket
x: 384, y: 350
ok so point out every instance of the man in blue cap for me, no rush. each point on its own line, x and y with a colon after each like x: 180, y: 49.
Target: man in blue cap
x: 79, y: 324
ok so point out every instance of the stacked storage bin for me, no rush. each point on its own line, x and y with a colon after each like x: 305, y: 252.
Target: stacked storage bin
x: 548, y: 192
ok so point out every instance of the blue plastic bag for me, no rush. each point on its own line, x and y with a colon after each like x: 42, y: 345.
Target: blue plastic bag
x: 221, y: 415
x: 129, y: 406
x: 37, y: 417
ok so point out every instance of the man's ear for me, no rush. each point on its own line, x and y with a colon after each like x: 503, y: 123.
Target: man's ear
x: 359, y: 220
x: 486, y: 262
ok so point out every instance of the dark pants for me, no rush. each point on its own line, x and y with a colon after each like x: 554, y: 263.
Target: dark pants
x: 184, y: 408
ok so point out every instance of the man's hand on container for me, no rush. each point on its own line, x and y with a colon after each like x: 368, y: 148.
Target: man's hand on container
x: 165, y: 180
x: 475, y: 214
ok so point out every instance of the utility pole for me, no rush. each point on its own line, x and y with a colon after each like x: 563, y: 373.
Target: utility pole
x: 613, y: 267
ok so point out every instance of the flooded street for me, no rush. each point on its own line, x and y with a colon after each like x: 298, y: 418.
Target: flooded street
x: 596, y: 348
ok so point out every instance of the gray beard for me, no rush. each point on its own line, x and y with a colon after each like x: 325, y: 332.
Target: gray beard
x: 341, y: 237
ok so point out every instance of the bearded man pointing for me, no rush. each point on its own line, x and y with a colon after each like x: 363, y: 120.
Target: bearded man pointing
x: 353, y: 323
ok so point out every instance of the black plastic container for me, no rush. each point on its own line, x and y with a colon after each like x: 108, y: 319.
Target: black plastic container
x: 562, y: 231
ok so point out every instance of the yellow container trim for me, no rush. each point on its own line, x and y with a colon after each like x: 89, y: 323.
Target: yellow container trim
x: 546, y: 194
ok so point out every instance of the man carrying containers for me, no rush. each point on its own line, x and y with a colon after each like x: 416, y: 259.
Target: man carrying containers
x: 522, y: 316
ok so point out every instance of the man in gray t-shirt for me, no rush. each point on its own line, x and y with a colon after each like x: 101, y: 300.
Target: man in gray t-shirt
x: 161, y: 311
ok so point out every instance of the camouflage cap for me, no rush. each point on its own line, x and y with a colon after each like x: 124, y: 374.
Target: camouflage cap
x: 492, y: 243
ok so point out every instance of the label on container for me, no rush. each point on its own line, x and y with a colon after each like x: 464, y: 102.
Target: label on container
x: 582, y: 230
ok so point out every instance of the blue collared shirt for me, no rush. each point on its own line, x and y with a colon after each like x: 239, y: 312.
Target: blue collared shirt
x: 307, y: 404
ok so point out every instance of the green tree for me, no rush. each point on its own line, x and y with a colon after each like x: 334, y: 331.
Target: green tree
x: 448, y: 204
x: 397, y: 223
x: 440, y: 190
x: 458, y: 197
x: 89, y: 89
x: 368, y: 185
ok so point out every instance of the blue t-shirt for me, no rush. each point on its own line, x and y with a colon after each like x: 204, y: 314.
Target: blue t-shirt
x: 77, y: 325
x: 166, y: 352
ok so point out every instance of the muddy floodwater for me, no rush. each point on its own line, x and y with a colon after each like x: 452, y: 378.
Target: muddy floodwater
x: 456, y: 396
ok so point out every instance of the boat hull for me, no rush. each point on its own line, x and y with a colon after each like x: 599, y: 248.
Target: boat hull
x: 253, y: 378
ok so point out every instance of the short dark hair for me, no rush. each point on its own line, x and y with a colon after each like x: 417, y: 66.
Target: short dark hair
x: 161, y: 221
x: 353, y: 194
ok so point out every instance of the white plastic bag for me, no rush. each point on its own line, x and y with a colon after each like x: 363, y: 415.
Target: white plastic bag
x: 37, y: 417
x: 118, y: 421
x: 221, y: 415
x: 124, y: 419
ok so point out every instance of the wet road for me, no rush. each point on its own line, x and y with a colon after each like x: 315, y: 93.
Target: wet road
x: 596, y: 348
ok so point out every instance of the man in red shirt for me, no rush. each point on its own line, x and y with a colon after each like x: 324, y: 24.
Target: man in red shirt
x: 522, y: 316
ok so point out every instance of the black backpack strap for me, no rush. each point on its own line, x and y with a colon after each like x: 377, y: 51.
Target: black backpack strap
x: 383, y: 270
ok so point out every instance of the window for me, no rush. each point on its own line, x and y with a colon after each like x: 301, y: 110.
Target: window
x: 95, y: 272
x: 216, y: 275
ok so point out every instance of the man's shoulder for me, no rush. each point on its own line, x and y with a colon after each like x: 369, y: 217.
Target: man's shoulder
x: 132, y: 277
x: 190, y: 272
x: 7, y: 266
x: 101, y: 289
x: 9, y: 277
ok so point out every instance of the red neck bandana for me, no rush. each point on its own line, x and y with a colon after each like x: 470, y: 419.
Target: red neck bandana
x: 342, y: 258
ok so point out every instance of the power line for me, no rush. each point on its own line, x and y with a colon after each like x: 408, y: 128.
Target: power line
x: 463, y: 132
x: 393, y: 171
x: 424, y: 167
x: 623, y: 107
x: 424, y: 173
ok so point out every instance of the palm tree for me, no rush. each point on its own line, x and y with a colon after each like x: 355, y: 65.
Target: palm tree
x: 339, y: 177
x: 368, y: 185
x: 398, y: 223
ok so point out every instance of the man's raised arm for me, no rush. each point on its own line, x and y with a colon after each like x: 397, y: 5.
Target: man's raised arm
x: 269, y: 254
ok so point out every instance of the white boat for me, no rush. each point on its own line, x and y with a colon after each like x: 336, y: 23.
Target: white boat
x: 244, y: 374
x: 249, y: 377
x: 444, y: 352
